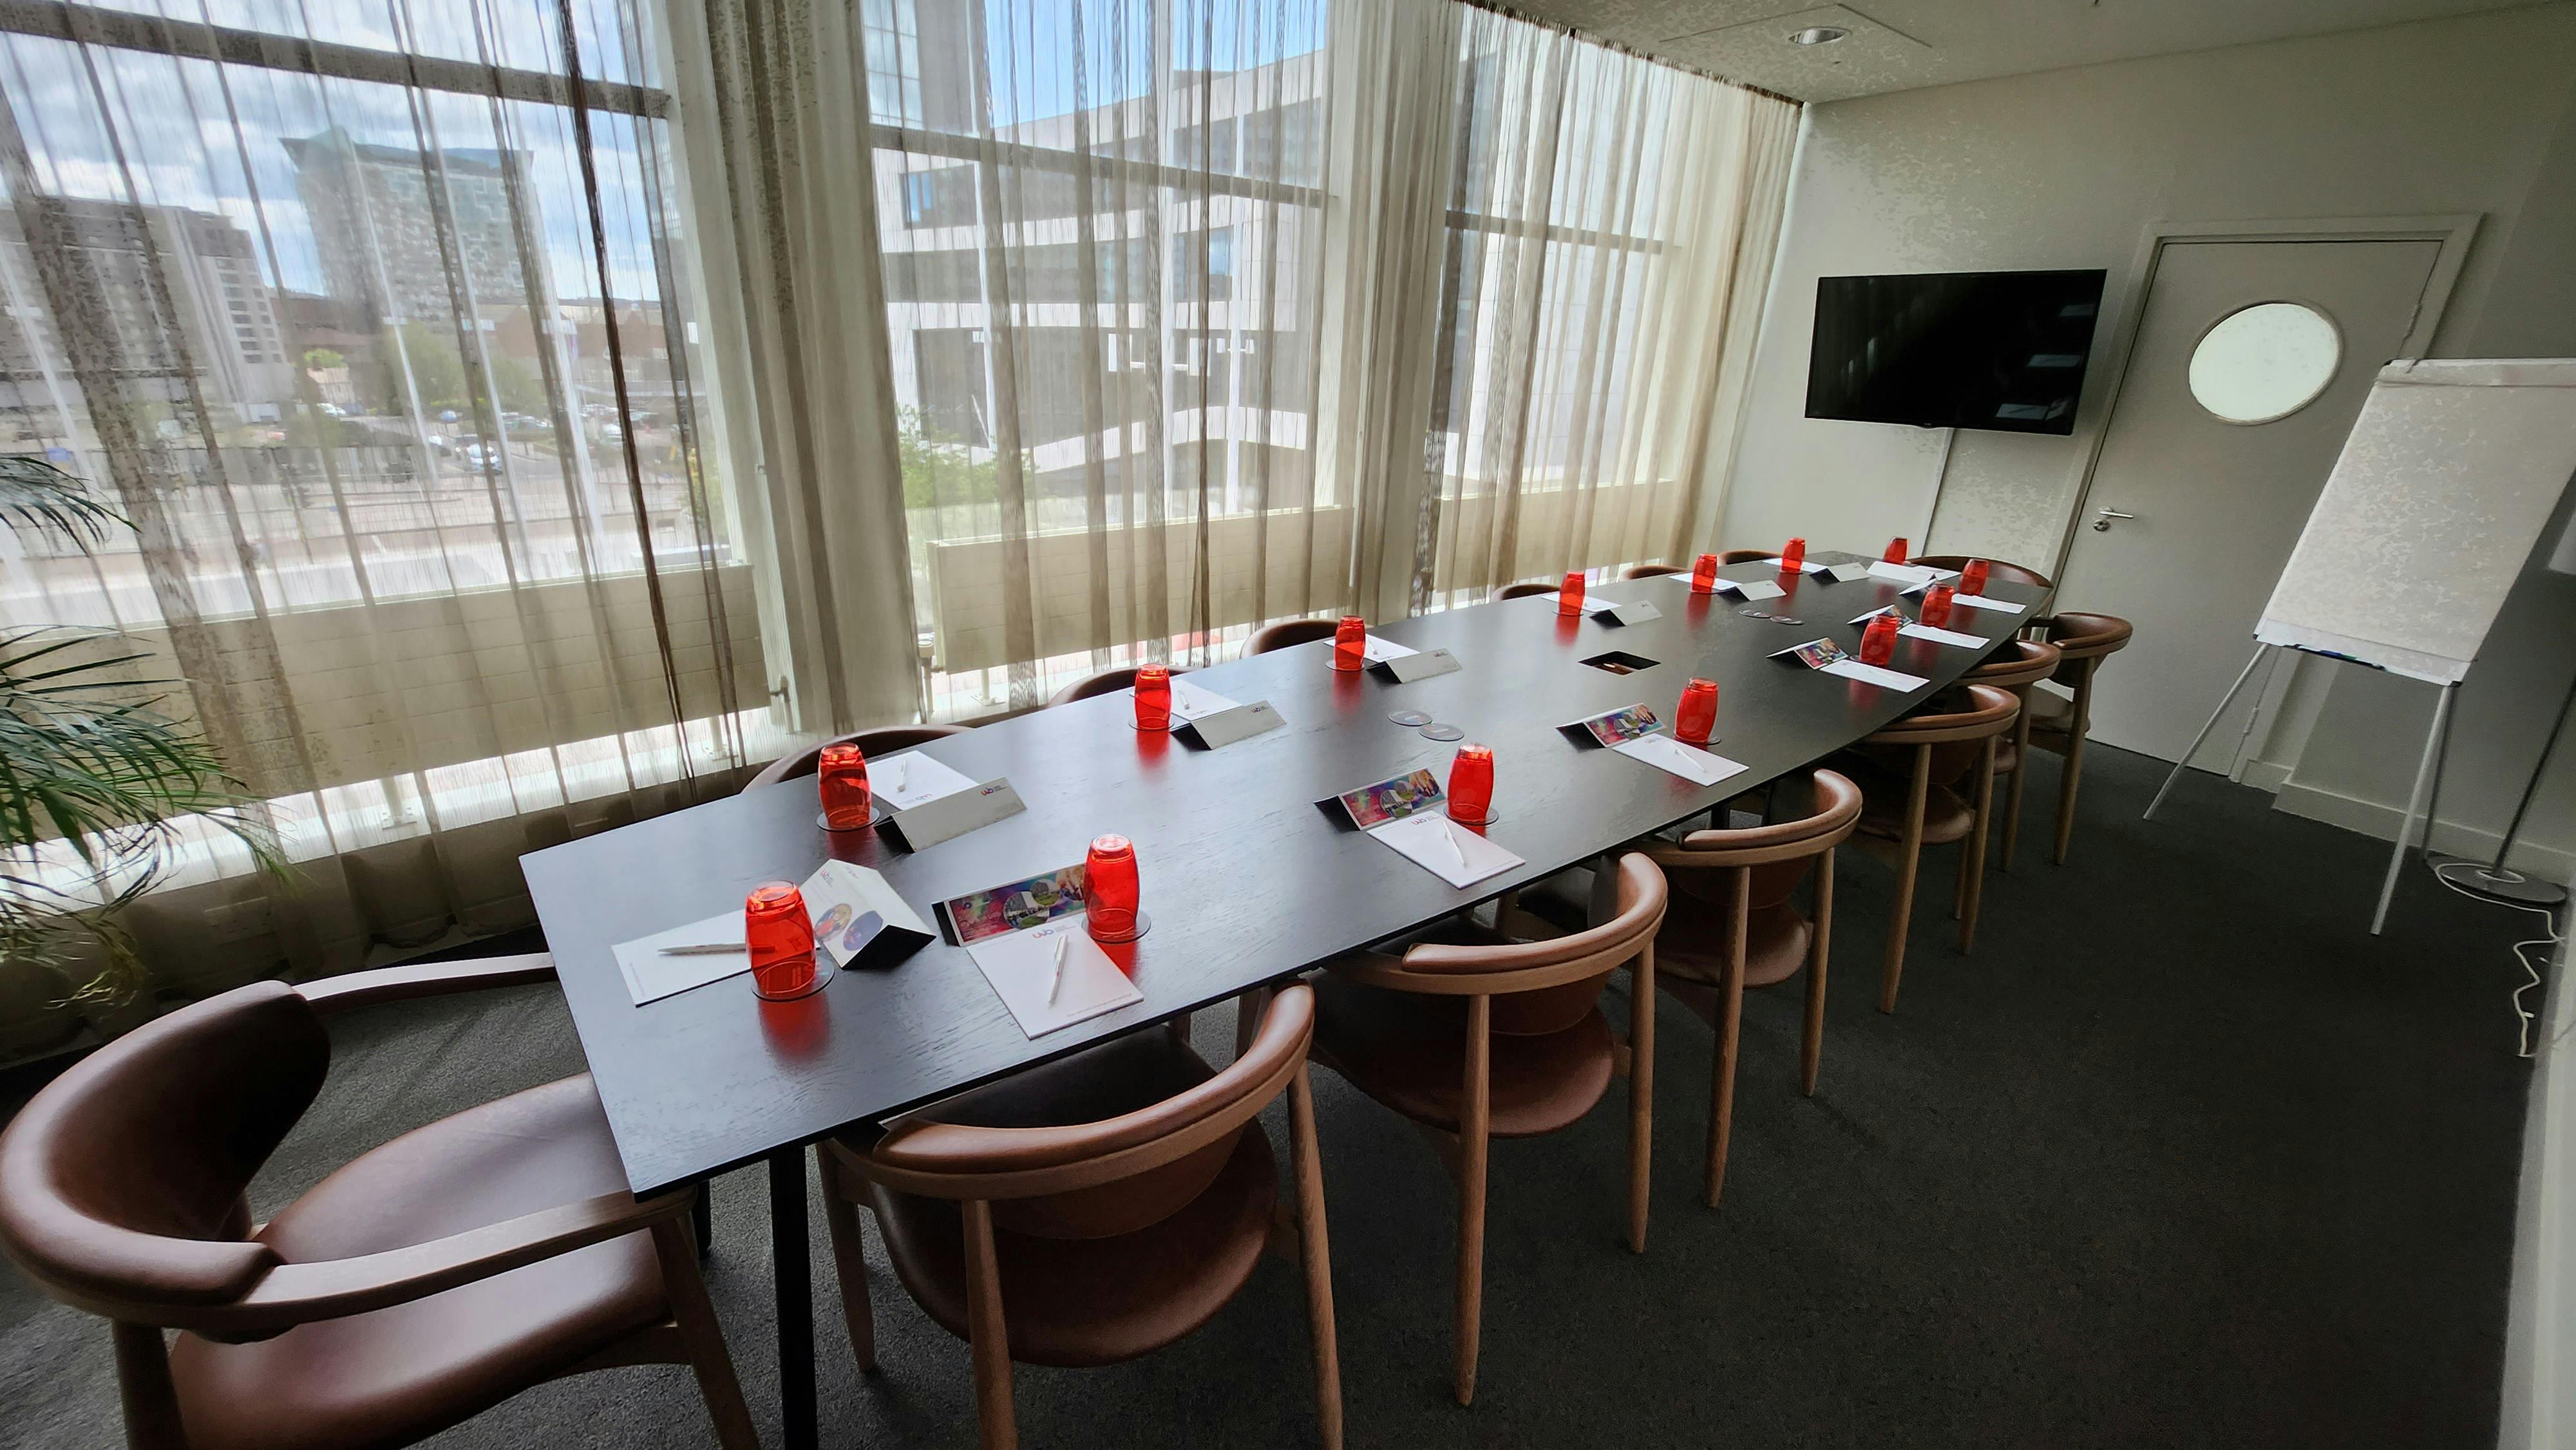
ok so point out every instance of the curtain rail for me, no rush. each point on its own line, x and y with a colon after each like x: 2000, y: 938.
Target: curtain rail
x: 127, y: 30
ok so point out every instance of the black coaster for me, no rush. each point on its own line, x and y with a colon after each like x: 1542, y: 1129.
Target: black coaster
x: 878, y: 810
x: 1410, y: 717
x: 1443, y: 732
x: 1176, y: 723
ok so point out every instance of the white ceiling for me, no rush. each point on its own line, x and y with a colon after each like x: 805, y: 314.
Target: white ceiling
x: 1898, y: 45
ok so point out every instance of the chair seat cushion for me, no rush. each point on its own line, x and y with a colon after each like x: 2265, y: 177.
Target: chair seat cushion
x: 1692, y: 943
x: 1077, y: 1302
x: 394, y: 1376
x: 1409, y: 1051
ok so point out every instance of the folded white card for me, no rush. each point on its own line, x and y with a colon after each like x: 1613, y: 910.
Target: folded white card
x: 1020, y: 967
x: 1449, y: 851
x: 1944, y: 636
x: 1845, y: 573
x: 1687, y: 761
x: 1374, y: 649
x: 1802, y: 568
x: 1405, y: 668
x: 1750, y: 588
x: 1623, y: 611
x: 926, y: 825
x: 1874, y: 675
x: 651, y: 976
x: 1911, y: 573
x: 1979, y: 601
x: 911, y: 779
x: 1236, y: 722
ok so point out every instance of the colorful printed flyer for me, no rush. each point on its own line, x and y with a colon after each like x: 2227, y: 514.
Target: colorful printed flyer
x: 1391, y: 799
x: 1016, y: 906
x: 1815, y: 654
x: 1625, y: 723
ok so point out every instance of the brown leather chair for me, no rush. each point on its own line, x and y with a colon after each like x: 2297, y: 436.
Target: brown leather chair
x: 1487, y: 1037
x: 430, y: 1279
x: 1093, y: 1209
x: 884, y: 740
x: 1652, y: 571
x: 1730, y: 926
x: 1526, y: 589
x: 1909, y: 774
x: 2060, y: 725
x: 1745, y: 556
x: 2020, y: 664
x: 1289, y: 633
x: 1107, y: 682
x: 1996, y: 568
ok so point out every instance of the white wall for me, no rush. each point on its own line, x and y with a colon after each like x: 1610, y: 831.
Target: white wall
x: 2069, y: 169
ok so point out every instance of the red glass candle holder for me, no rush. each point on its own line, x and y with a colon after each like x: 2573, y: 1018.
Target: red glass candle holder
x: 1878, y: 642
x: 1895, y: 552
x: 1569, y: 595
x: 1972, y: 580
x: 1696, y: 719
x: 780, y: 936
x: 1153, y: 698
x: 1793, y: 555
x: 1936, y: 604
x: 1704, y: 574
x: 1350, y: 643
x: 841, y: 775
x: 1471, y: 784
x: 1110, y: 890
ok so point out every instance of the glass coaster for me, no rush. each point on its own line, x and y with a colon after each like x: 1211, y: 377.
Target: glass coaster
x: 1755, y: 613
x: 1144, y: 924
x: 1786, y: 619
x: 1410, y: 717
x: 1443, y: 732
x: 877, y: 813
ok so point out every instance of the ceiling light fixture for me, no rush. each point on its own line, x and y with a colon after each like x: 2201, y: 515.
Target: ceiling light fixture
x: 1818, y: 35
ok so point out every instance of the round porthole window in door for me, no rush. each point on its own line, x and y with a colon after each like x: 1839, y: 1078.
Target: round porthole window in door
x: 2262, y: 363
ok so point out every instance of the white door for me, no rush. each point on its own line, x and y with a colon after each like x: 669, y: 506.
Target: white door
x: 2251, y: 363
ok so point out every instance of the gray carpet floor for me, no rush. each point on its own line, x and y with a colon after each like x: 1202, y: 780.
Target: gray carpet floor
x: 2181, y: 1156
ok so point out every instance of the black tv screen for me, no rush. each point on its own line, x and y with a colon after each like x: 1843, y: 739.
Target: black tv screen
x: 1997, y: 350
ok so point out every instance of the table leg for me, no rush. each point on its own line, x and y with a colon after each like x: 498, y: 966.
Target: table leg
x: 792, y: 1268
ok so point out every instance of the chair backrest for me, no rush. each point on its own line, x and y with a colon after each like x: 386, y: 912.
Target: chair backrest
x: 1101, y: 1179
x: 1652, y: 571
x: 1289, y: 633
x: 1746, y: 556
x: 1779, y: 854
x: 2082, y: 638
x: 884, y: 740
x: 1955, y: 728
x: 1107, y: 682
x: 121, y: 1184
x: 1999, y: 568
x: 1526, y: 589
x: 1544, y: 986
x: 2020, y: 663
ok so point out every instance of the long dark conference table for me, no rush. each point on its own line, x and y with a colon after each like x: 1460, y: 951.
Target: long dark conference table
x: 1246, y: 881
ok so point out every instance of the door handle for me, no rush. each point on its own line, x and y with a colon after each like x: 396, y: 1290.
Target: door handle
x: 2102, y: 524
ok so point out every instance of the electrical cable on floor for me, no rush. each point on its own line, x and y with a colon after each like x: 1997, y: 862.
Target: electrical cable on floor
x: 2521, y: 949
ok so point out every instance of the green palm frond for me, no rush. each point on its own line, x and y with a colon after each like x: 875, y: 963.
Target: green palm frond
x: 35, y: 494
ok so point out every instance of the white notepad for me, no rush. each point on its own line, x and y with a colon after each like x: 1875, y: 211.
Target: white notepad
x: 651, y: 976
x: 1979, y: 601
x: 1451, y: 852
x: 1938, y: 635
x: 1875, y: 675
x: 907, y: 780
x: 1190, y: 701
x: 1802, y: 568
x: 1020, y: 965
x: 1373, y: 649
x: 1685, y: 760
x: 1917, y: 574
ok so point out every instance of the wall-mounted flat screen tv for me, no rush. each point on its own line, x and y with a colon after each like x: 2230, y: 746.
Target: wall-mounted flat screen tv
x: 1997, y: 350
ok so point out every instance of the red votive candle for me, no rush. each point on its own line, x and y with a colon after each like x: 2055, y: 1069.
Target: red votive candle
x: 1793, y: 555
x: 1878, y: 642
x: 1936, y: 604
x: 780, y: 936
x: 1895, y: 552
x: 1569, y: 595
x: 1704, y: 574
x: 1110, y: 890
x: 1697, y: 717
x: 1350, y: 643
x: 1153, y: 698
x: 841, y: 774
x: 1471, y: 784
x: 1972, y: 580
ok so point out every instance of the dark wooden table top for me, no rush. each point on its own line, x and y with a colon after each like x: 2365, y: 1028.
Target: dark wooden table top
x: 1245, y: 880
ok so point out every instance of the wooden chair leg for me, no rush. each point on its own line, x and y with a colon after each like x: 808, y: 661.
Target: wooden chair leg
x: 849, y: 1261
x: 986, y: 1337
x: 1811, y: 1052
x: 702, y: 1218
x: 2079, y: 721
x: 143, y: 1383
x: 2020, y: 773
x: 1473, y: 1126
x: 1909, y: 859
x: 1972, y: 862
x: 1180, y: 1025
x: 674, y: 1245
x: 1730, y: 1033
x: 1641, y: 1093
x: 1316, y: 1257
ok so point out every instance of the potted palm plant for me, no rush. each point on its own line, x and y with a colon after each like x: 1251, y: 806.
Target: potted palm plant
x: 94, y: 778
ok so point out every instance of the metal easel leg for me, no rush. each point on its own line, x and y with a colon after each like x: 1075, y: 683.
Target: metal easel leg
x: 2414, y: 806
x: 2185, y: 763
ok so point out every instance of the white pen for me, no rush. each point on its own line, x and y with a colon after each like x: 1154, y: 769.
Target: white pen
x: 703, y: 949
x: 1056, y: 979
x: 1451, y: 840
x: 901, y: 771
